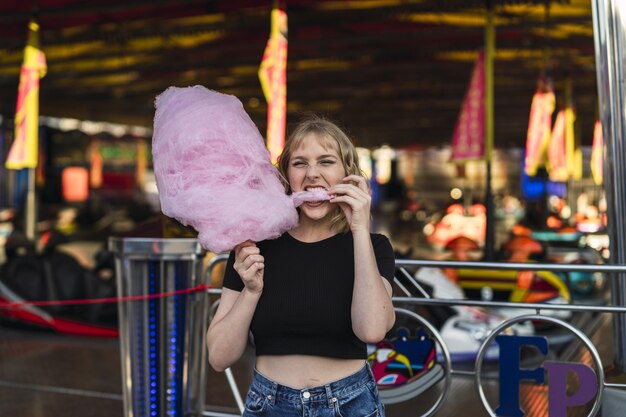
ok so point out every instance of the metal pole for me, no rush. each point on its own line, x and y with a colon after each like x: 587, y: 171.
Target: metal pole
x: 31, y: 210
x: 4, y: 201
x: 234, y: 389
x: 490, y: 45
x: 609, y: 22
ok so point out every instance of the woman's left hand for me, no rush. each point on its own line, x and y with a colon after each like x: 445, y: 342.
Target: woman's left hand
x: 353, y: 196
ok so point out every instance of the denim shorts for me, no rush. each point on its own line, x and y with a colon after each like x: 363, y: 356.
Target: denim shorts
x: 353, y: 396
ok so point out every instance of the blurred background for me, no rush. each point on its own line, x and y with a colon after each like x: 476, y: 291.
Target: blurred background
x: 405, y: 80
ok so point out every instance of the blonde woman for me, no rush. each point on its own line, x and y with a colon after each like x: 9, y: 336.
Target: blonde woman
x: 316, y: 296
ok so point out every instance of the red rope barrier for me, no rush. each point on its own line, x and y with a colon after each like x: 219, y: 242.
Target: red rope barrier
x: 20, y: 304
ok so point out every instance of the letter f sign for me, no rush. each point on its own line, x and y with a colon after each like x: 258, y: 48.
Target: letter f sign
x: 511, y: 374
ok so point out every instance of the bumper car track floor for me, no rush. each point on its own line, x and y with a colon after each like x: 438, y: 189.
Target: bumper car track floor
x: 43, y: 374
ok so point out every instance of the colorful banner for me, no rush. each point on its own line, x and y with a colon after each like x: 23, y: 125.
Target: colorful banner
x: 597, y: 154
x: 23, y: 153
x: 574, y: 148
x: 539, y: 126
x: 562, y: 150
x: 557, y: 150
x: 273, y: 77
x: 468, y: 141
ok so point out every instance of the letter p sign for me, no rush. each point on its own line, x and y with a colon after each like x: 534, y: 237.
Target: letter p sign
x: 558, y: 401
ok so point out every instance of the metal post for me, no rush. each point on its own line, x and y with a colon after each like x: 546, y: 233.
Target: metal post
x: 30, y: 207
x: 161, y: 338
x: 609, y: 22
x: 490, y: 42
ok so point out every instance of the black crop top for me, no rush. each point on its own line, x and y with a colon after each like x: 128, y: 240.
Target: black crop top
x: 307, y: 295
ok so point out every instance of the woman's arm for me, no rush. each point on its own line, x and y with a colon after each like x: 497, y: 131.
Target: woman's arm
x: 372, y: 308
x: 228, y: 332
x: 229, y: 329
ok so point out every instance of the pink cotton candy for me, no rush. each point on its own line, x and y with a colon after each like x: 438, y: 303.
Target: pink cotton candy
x: 301, y: 197
x: 213, y: 170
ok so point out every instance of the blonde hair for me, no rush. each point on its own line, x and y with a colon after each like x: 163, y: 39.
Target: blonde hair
x: 330, y: 136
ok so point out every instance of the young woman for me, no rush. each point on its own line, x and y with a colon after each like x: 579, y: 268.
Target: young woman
x: 314, y: 297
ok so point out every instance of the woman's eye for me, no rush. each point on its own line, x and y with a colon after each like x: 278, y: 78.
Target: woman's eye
x: 327, y: 162
x: 298, y: 164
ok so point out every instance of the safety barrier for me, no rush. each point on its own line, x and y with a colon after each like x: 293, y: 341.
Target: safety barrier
x: 592, y: 382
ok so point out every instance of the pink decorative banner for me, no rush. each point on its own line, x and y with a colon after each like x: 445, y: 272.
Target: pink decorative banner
x: 468, y: 141
x: 539, y: 126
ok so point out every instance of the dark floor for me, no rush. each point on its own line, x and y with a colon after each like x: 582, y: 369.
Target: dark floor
x: 49, y: 375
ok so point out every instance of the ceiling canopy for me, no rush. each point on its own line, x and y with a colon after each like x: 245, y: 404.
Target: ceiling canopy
x: 389, y: 71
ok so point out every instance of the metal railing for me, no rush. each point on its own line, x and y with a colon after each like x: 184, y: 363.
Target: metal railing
x: 402, y: 264
x: 405, y: 267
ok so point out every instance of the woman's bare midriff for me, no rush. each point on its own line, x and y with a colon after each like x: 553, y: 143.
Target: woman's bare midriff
x: 303, y: 371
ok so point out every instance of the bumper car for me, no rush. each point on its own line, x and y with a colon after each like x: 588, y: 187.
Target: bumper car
x: 405, y: 363
x: 466, y: 327
x: 567, y: 248
x: 28, y: 276
x: 465, y: 335
x: 514, y: 286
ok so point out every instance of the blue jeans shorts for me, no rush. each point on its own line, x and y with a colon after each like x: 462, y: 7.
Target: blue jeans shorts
x: 353, y: 396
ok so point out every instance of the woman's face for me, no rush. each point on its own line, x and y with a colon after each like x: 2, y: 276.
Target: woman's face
x: 311, y: 167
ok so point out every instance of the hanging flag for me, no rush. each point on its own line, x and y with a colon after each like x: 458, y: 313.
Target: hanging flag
x: 23, y: 152
x: 142, y: 163
x: 539, y: 126
x: 574, y: 149
x: 562, y: 149
x: 95, y: 162
x: 468, y: 141
x: 273, y: 77
x: 597, y: 156
x: 557, y: 150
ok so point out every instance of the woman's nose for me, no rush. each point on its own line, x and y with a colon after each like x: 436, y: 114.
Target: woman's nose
x: 312, y: 171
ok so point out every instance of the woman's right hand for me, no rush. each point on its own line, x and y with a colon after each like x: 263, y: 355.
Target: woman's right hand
x: 249, y: 264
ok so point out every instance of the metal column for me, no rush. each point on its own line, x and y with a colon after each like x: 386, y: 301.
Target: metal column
x: 609, y: 20
x: 161, y: 338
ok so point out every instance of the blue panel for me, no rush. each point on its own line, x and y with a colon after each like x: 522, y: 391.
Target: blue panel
x: 176, y: 342
x: 534, y: 188
x: 153, y: 339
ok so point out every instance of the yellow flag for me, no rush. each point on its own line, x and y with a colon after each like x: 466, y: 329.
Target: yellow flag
x: 23, y: 152
x: 574, y: 151
x: 597, y: 154
x: 558, y: 154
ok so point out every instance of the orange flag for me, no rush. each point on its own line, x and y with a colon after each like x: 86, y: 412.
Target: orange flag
x: 273, y: 77
x: 539, y: 126
x: 24, y: 151
x: 597, y: 154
